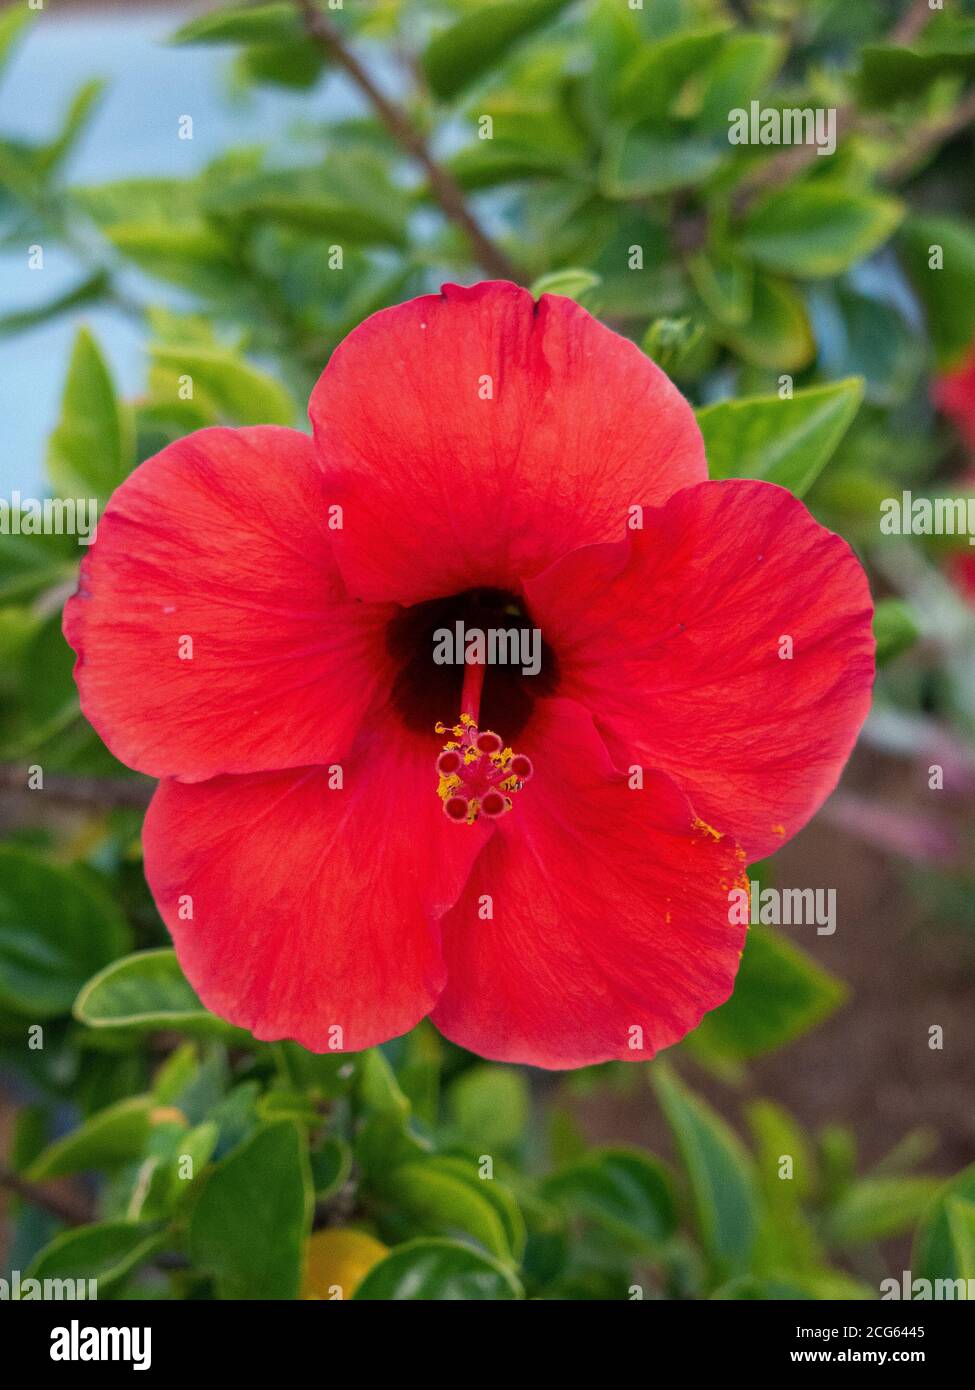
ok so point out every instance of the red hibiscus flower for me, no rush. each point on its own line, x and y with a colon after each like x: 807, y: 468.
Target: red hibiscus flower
x: 954, y: 394
x: 548, y: 876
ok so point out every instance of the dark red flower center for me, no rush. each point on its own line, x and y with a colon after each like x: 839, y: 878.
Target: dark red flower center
x: 478, y: 770
x: 426, y: 691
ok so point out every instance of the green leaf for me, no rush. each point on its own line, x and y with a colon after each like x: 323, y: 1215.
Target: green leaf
x: 643, y: 159
x: 876, y: 1208
x: 331, y: 1164
x: 941, y: 1249
x: 243, y: 24
x: 243, y: 394
x: 350, y: 198
x: 43, y: 698
x: 892, y: 73
x: 788, y: 442
x: 90, y: 451
x: 625, y: 1191
x: 719, y: 1171
x: 961, y: 1229
x: 818, y: 229
x: 81, y: 108
x: 786, y: 1240
x: 895, y: 628
x: 12, y: 22
x: 823, y: 1285
x: 948, y: 292
x: 489, y: 1105
x: 725, y: 284
x: 147, y: 991
x: 295, y: 64
x: 441, y: 1195
x: 778, y: 333
x: 780, y: 993
x: 739, y: 73
x: 111, y: 1137
x: 438, y: 1270
x: 250, y: 1222
x: 673, y: 343
x: 56, y: 926
x: 106, y: 1251
x: 573, y: 284
x: 479, y: 41
x: 652, y: 78
x: 379, y: 1090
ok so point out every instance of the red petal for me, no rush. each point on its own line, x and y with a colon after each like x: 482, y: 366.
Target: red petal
x: 444, y: 490
x: 610, y: 914
x: 672, y: 641
x: 312, y: 907
x: 222, y: 538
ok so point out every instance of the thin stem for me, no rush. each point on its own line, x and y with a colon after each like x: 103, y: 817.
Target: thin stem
x: 66, y: 1209
x: 443, y: 186
x: 929, y: 137
x: 105, y: 793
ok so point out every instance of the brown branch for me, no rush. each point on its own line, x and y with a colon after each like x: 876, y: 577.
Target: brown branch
x: 930, y: 137
x: 65, y: 1208
x: 912, y: 22
x: 789, y: 163
x: 446, y: 191
x: 103, y: 793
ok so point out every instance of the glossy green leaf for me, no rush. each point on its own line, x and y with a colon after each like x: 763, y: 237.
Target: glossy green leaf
x: 244, y: 395
x: 478, y: 41
x: 379, y: 1090
x: 719, y: 1173
x: 960, y: 1215
x: 784, y: 441
x: 780, y: 993
x: 892, y: 73
x: 56, y: 927
x: 250, y: 1222
x: 725, y: 283
x: 941, y: 1242
x: 90, y: 451
x: 43, y: 697
x: 106, y: 1252
x: 441, y: 1195
x: 940, y: 257
x: 642, y: 159
x: 625, y: 1191
x: 818, y: 229
x: 736, y: 76
x: 877, y: 1208
x: 441, y: 1270
x: 573, y: 284
x: 111, y: 1137
x: 655, y: 73
x: 13, y: 22
x: 242, y: 24
x: 147, y: 990
x: 777, y: 334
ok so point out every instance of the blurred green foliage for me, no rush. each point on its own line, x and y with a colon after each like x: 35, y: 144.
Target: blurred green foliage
x: 792, y: 298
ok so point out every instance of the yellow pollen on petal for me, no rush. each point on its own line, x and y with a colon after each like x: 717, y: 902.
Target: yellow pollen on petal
x: 708, y: 830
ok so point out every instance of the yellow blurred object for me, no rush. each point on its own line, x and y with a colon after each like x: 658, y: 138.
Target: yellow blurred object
x: 336, y: 1262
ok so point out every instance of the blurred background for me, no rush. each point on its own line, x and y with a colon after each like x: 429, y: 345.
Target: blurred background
x: 217, y: 190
